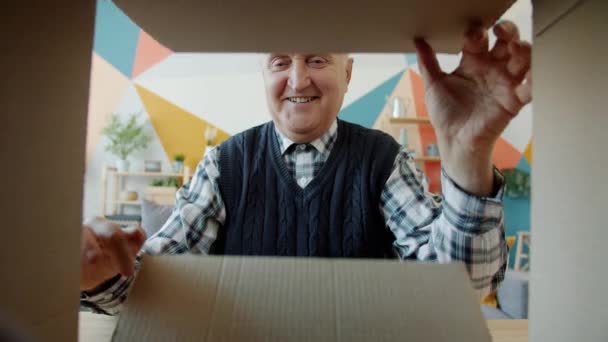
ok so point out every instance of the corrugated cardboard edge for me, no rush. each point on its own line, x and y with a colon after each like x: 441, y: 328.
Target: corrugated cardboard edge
x: 236, y: 300
x: 337, y: 26
x: 550, y: 12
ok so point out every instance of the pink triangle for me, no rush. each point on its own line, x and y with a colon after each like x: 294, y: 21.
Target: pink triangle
x: 149, y: 52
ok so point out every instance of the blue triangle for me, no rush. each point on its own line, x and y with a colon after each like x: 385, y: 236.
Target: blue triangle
x: 517, y: 218
x: 524, y: 165
x: 410, y: 58
x: 115, y: 36
x: 365, y: 110
x: 517, y: 211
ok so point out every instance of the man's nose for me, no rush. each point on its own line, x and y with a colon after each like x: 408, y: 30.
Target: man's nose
x: 299, y: 79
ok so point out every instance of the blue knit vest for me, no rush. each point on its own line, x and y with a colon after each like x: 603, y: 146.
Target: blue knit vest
x: 336, y: 215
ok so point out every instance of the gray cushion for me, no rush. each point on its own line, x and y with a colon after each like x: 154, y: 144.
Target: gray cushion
x: 493, y: 313
x: 512, y: 295
x: 154, y: 216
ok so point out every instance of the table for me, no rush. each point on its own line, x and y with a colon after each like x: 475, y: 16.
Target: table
x: 99, y: 328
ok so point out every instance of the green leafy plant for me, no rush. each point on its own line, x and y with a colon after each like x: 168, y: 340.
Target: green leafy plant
x: 125, y: 137
x: 158, y: 182
x: 180, y: 157
x: 517, y: 183
x: 171, y: 181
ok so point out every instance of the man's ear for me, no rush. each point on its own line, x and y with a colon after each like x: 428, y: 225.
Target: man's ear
x: 349, y: 70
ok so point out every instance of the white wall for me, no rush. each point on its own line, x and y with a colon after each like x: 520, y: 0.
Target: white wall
x: 227, y: 91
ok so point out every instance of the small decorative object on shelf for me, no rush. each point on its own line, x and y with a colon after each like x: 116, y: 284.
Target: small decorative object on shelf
x: 210, y: 135
x: 124, y: 139
x: 399, y: 107
x: 432, y: 150
x: 152, y: 165
x: 403, y: 138
x: 178, y: 162
x: 128, y: 196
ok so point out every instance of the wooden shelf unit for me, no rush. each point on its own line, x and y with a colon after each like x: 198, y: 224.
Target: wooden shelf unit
x: 114, y: 203
x: 427, y: 159
x: 410, y: 120
x: 136, y: 202
x: 149, y: 174
x: 417, y: 121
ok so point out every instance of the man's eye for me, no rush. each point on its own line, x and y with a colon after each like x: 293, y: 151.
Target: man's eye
x: 317, y: 61
x: 279, y: 63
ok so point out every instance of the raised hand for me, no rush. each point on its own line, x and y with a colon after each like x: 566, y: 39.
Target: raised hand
x: 470, y: 107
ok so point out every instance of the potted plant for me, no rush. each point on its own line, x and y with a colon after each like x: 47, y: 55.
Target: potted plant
x: 178, y: 162
x: 517, y: 183
x: 125, y: 138
x: 162, y: 190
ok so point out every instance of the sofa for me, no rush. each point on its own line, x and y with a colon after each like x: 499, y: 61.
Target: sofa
x: 512, y: 298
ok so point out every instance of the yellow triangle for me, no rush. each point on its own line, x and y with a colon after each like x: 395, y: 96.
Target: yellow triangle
x: 179, y: 130
x: 528, y: 153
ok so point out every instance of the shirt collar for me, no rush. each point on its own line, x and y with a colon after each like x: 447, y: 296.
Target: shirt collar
x: 323, y: 144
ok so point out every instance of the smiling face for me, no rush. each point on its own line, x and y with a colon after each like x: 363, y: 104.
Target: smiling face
x: 305, y: 92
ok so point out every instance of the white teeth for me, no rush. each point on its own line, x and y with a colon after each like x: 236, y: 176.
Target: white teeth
x: 300, y: 99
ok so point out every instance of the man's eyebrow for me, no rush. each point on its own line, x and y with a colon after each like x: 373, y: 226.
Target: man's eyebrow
x: 275, y: 54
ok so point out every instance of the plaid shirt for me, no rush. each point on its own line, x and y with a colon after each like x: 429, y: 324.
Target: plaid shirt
x: 427, y: 227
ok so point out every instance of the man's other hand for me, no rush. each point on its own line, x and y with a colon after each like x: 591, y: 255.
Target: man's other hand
x: 106, y: 251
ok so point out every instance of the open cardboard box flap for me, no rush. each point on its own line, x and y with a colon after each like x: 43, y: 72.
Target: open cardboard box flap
x: 337, y: 26
x: 200, y: 298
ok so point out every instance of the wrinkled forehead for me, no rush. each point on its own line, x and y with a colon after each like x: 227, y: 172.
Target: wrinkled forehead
x: 264, y: 58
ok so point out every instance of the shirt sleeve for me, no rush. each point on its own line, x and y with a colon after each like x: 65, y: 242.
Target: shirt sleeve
x: 192, y: 227
x: 458, y: 227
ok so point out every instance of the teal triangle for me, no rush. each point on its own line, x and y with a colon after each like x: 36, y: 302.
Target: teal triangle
x: 365, y: 110
x: 116, y: 36
x: 517, y: 211
x: 524, y: 165
x: 517, y: 218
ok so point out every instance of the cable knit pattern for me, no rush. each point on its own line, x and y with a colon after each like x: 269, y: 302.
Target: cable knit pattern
x: 335, y: 215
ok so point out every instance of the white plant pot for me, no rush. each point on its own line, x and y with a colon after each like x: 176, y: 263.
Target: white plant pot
x: 177, y: 166
x: 123, y: 165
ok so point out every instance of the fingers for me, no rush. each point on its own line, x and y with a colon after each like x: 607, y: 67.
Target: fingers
x: 475, y: 41
x: 427, y: 61
x: 136, y: 237
x: 524, y: 90
x: 91, y: 251
x: 474, y: 50
x: 505, y: 32
x: 520, y: 59
x: 115, y: 247
x: 119, y: 252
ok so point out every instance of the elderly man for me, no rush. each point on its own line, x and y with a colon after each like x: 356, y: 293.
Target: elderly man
x: 308, y: 184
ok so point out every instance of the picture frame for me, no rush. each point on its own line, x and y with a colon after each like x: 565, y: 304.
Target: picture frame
x: 152, y: 165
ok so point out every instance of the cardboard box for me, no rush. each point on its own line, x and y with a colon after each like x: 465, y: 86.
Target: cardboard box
x: 45, y: 83
x: 310, y: 26
x: 203, y: 298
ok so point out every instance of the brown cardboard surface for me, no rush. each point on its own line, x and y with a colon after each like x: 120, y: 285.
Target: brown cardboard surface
x: 194, y: 298
x: 569, y: 192
x: 548, y: 12
x: 310, y: 26
x: 45, y: 67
